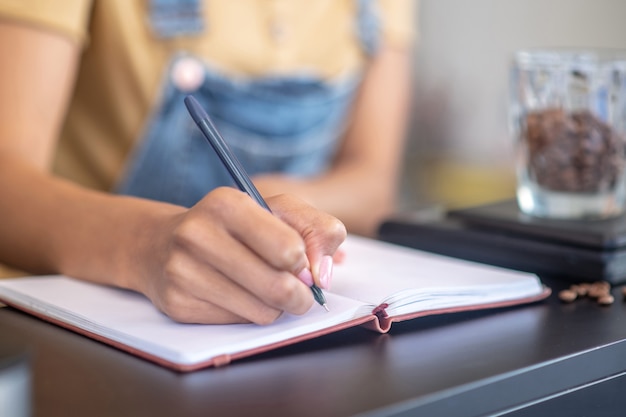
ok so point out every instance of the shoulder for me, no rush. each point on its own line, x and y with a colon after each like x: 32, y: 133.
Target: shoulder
x: 399, y: 19
x: 68, y: 17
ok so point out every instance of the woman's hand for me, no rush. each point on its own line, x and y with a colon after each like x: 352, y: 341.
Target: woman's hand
x: 227, y: 260
x: 224, y: 260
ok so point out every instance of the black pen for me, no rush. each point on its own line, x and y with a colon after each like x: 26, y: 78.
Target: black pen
x: 233, y: 166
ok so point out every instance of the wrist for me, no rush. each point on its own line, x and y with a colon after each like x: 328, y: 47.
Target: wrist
x: 144, y: 248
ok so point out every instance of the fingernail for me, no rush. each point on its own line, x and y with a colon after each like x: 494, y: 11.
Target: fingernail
x: 326, y: 272
x: 306, y: 277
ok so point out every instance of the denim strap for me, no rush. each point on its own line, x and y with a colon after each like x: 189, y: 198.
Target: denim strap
x: 171, y: 18
x: 368, y: 25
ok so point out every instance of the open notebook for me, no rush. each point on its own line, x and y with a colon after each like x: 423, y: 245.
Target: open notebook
x: 378, y: 283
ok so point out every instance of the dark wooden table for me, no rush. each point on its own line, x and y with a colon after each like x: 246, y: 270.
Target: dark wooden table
x: 543, y: 359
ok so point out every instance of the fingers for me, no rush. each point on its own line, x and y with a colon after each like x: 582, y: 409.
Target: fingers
x: 196, y: 293
x: 227, y: 260
x: 322, y: 234
x: 273, y: 240
x: 193, y: 292
x: 231, y: 253
x: 274, y: 287
x: 339, y: 256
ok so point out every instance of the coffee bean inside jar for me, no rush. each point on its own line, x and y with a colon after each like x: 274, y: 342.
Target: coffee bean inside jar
x: 568, y: 118
x: 572, y: 151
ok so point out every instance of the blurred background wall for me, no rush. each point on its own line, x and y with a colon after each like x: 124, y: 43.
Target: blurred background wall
x: 459, y: 151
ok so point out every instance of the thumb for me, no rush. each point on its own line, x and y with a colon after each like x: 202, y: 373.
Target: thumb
x: 321, y: 232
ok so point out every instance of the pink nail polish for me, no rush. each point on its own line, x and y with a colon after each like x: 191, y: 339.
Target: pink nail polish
x: 326, y: 272
x: 306, y: 276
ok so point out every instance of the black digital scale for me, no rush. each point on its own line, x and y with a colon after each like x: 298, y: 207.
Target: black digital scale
x: 500, y: 234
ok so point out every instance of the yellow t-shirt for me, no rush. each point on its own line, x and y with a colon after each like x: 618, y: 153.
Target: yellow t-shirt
x: 124, y: 60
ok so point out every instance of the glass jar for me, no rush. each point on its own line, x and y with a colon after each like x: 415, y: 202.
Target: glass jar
x: 568, y: 118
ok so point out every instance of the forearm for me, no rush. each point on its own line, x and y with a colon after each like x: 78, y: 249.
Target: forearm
x: 49, y: 225
x: 361, y: 186
x: 224, y: 260
x: 354, y: 194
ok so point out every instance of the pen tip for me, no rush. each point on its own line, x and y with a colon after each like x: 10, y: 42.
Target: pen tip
x: 325, y: 307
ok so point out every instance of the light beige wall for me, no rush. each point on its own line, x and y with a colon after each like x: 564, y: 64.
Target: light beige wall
x: 460, y: 151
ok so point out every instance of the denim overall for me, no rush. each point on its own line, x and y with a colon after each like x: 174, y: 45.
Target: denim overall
x: 289, y: 125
